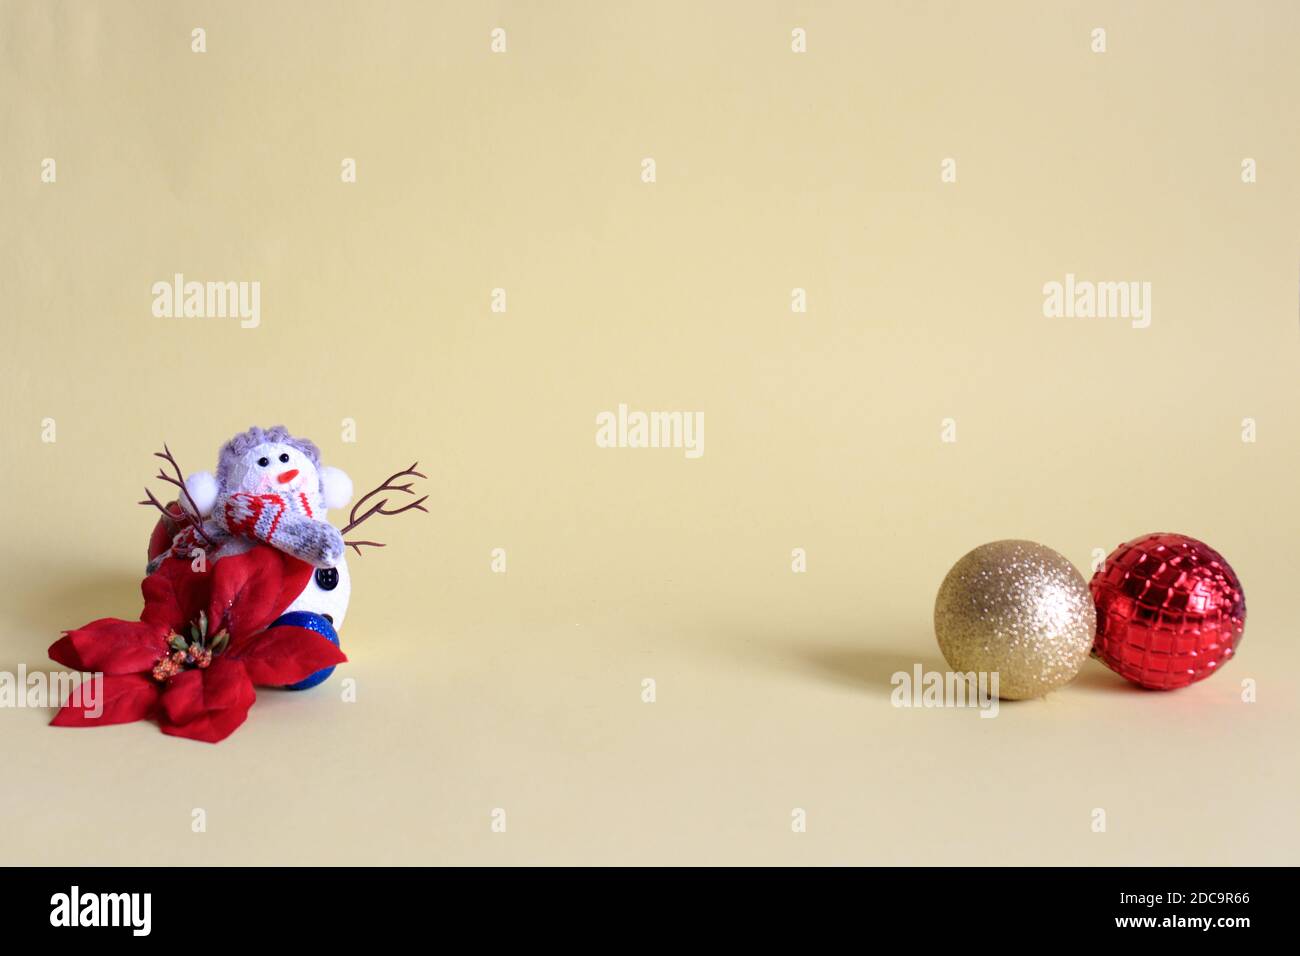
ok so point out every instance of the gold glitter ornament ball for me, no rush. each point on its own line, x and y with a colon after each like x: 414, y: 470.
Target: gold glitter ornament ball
x: 1018, y: 609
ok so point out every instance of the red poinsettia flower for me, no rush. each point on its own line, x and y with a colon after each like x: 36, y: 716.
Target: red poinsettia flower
x: 202, y: 642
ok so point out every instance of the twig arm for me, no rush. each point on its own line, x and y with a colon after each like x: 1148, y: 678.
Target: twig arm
x: 360, y: 511
x: 189, y: 511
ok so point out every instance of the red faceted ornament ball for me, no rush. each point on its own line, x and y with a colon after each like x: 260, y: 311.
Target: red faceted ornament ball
x: 1170, y: 610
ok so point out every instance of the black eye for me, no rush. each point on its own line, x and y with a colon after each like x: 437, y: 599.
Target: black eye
x: 284, y: 456
x: 327, y: 579
x: 263, y: 462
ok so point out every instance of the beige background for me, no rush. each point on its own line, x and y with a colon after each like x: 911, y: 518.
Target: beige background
x: 775, y: 170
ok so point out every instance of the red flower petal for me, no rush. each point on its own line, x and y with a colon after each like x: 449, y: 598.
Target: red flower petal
x: 207, y: 704
x: 285, y: 655
x: 252, y: 589
x: 182, y: 699
x: 193, y: 694
x: 118, y: 698
x: 211, y: 728
x: 175, y: 593
x: 111, y: 646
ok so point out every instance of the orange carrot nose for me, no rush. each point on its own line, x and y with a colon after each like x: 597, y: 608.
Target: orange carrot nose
x: 286, y: 476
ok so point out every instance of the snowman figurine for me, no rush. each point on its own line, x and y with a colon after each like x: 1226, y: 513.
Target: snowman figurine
x: 270, y: 487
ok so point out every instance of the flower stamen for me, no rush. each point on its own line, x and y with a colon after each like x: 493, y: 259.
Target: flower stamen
x: 189, y: 654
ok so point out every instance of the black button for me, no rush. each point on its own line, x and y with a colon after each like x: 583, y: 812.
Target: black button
x: 327, y: 579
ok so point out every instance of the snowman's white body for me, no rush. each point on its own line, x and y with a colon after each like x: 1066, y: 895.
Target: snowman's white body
x: 331, y: 604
